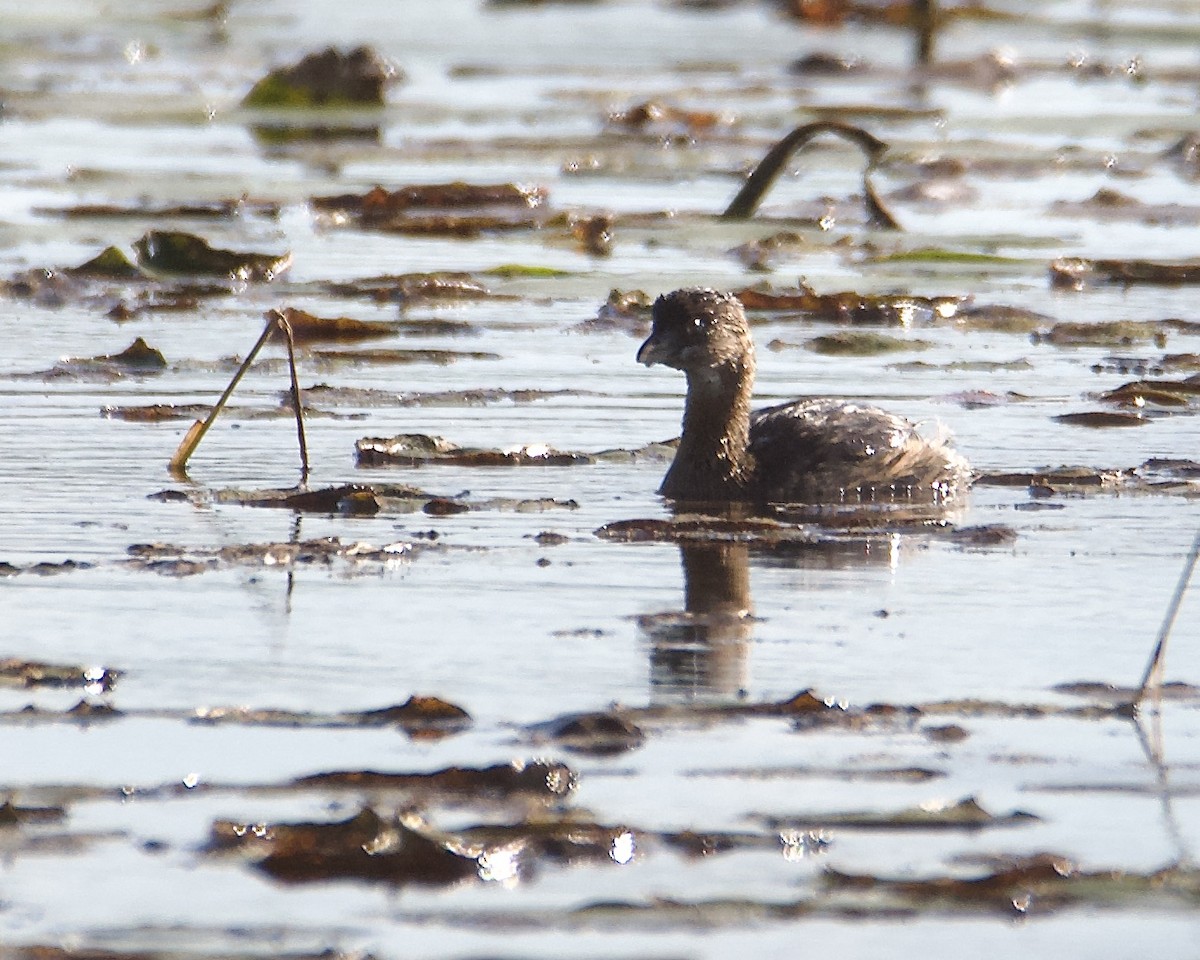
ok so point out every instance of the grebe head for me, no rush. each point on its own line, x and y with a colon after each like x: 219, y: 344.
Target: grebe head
x: 696, y: 329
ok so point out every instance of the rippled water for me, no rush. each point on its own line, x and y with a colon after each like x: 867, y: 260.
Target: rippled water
x: 106, y: 105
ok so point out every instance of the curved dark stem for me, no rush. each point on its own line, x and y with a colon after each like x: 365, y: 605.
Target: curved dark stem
x: 763, y: 177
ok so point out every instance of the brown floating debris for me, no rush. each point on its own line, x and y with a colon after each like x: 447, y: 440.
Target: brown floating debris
x: 365, y: 847
x: 652, y: 116
x: 412, y: 449
x: 985, y: 535
x: 38, y: 673
x: 689, y: 527
x: 12, y: 815
x: 861, y: 343
x: 1105, y: 692
x: 419, y: 715
x: 174, y: 560
x: 1162, y: 393
x: 852, y: 309
x: 329, y: 78
x: 539, y: 779
x: 113, y: 263
x: 1074, y: 273
x: 449, y: 209
x: 439, y: 358
x: 1101, y: 419
x: 598, y: 734
x: 966, y: 814
x: 307, y: 328
x: 176, y: 252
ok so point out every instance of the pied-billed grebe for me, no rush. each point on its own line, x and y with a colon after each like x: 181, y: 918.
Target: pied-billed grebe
x: 806, y: 451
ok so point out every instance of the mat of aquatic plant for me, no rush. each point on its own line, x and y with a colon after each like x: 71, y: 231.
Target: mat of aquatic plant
x: 467, y: 686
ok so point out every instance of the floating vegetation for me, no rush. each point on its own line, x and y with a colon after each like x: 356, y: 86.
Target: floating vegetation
x: 965, y: 814
x: 448, y: 209
x: 38, y: 673
x: 329, y: 78
x: 1076, y: 273
x: 851, y: 309
x: 176, y: 252
x: 415, y: 449
x: 1101, y: 419
x: 307, y: 328
x: 857, y: 343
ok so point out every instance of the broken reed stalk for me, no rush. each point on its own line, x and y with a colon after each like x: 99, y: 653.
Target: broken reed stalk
x: 924, y: 21
x: 282, y: 323
x: 191, y: 440
x: 1153, y: 675
x: 764, y: 175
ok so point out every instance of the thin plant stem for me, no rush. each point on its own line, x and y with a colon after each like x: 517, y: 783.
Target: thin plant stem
x: 1153, y: 675
x: 281, y: 322
x: 191, y: 440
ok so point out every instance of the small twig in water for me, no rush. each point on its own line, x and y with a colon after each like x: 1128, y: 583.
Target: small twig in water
x: 743, y: 205
x: 1154, y: 669
x: 191, y: 440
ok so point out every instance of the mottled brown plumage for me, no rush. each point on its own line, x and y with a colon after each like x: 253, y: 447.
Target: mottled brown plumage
x: 805, y: 451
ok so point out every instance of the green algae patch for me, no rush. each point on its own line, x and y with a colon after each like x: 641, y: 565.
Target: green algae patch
x: 329, y: 78
x: 519, y: 271
x: 936, y: 255
x: 111, y: 263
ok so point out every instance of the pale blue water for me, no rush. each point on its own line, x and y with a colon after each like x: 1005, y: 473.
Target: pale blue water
x: 1079, y: 595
